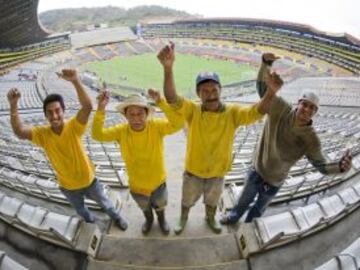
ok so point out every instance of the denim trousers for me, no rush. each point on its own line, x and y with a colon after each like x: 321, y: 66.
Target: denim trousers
x: 94, y: 192
x: 255, y: 185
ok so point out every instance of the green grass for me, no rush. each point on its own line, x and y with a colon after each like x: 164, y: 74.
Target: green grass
x: 144, y: 71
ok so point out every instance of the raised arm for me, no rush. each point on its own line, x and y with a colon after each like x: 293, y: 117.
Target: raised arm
x: 98, y: 132
x: 174, y: 122
x: 273, y: 85
x: 267, y: 60
x: 20, y: 130
x: 166, y: 57
x: 268, y: 83
x: 84, y: 99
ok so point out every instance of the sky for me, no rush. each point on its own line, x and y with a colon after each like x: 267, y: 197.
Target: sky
x: 333, y: 16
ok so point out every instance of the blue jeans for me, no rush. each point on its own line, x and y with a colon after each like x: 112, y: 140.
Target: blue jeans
x: 95, y: 192
x: 255, y: 185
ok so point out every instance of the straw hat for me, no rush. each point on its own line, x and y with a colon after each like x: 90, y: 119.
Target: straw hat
x: 135, y: 100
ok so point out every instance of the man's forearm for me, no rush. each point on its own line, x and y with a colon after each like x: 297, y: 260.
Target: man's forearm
x: 263, y: 106
x: 169, y: 85
x: 260, y: 81
x: 16, y: 122
x: 84, y: 98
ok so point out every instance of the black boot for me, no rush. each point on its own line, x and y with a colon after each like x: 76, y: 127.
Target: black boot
x: 164, y: 226
x: 149, y: 219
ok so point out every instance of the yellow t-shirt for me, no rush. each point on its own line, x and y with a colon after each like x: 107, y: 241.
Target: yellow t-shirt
x: 66, y: 153
x: 142, y: 151
x: 211, y: 135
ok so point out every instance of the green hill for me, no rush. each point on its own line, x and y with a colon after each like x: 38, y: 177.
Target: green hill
x: 76, y: 19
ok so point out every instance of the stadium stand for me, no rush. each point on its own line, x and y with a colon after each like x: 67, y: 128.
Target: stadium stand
x: 22, y: 38
x: 6, y: 263
x: 340, y: 50
x: 347, y: 259
x: 63, y: 230
x: 310, y: 211
x: 101, y: 36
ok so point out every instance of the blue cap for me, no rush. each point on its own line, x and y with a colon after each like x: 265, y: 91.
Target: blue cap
x: 204, y: 76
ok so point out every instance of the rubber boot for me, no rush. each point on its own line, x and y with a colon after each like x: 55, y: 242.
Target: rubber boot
x: 210, y: 219
x: 182, y: 220
x: 164, y: 226
x: 149, y: 219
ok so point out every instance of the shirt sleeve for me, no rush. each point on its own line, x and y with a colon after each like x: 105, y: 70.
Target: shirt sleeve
x: 317, y: 159
x: 77, y: 127
x: 260, y: 81
x: 174, y: 122
x: 245, y: 115
x: 278, y: 105
x: 37, y: 136
x: 99, y: 133
x: 184, y: 107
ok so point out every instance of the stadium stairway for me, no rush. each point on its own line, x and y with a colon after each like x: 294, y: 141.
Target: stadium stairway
x: 196, y: 248
x: 215, y: 252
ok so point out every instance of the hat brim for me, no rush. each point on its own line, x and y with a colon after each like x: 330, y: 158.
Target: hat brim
x: 207, y: 80
x: 122, y: 107
x: 312, y: 102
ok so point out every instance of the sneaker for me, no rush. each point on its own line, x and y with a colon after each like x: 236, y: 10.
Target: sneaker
x: 121, y: 223
x: 226, y: 220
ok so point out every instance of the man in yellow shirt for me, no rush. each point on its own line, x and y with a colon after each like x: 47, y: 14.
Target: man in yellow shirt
x: 211, y: 129
x: 61, y: 140
x: 141, y: 146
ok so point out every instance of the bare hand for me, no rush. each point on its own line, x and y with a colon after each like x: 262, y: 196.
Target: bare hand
x: 13, y: 96
x: 273, y: 82
x: 103, y: 99
x: 68, y: 75
x: 154, y: 95
x: 270, y: 57
x: 345, y: 163
x: 166, y: 55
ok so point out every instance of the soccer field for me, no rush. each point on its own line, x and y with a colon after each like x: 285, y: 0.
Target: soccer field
x: 144, y: 71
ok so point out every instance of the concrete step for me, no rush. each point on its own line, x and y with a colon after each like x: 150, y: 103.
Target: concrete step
x: 104, y: 265
x: 159, y: 253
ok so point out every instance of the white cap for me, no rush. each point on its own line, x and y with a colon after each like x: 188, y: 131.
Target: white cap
x: 310, y: 96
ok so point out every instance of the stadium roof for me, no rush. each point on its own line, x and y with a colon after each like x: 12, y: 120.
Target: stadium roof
x: 297, y: 27
x: 19, y: 23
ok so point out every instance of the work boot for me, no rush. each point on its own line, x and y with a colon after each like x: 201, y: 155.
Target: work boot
x: 149, y: 219
x: 182, y: 220
x: 210, y: 219
x: 164, y: 226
